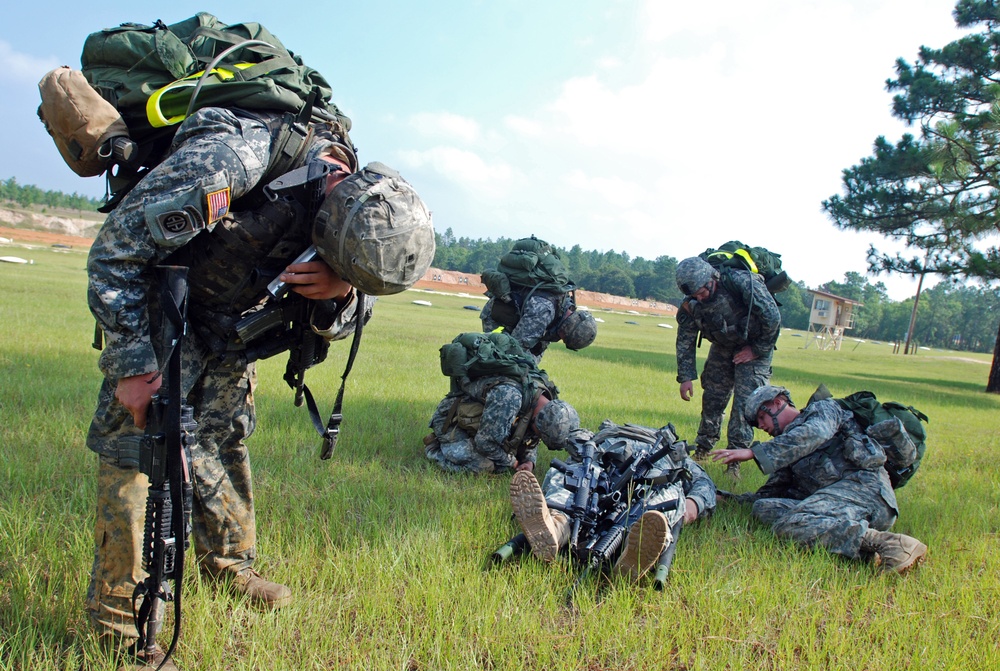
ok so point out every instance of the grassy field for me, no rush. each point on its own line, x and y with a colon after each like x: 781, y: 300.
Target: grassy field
x: 386, y: 555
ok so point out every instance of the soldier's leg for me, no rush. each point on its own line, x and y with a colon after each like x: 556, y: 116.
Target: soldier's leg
x: 835, y: 517
x: 717, y: 388
x: 769, y: 510
x: 223, y: 524
x: 459, y: 455
x: 121, y: 511
x: 747, y: 377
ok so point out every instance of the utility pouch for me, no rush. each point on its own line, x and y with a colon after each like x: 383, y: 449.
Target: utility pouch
x: 505, y: 314
x: 87, y: 129
x: 469, y: 416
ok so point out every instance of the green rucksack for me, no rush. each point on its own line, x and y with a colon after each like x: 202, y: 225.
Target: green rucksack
x: 734, y: 254
x: 531, y: 264
x: 475, y: 355
x: 869, y: 410
x: 149, y: 74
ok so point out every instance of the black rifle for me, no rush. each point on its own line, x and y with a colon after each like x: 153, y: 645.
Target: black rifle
x: 589, y: 484
x: 164, y: 457
x: 281, y: 323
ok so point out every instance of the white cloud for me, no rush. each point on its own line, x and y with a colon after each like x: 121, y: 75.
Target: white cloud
x: 524, y: 126
x: 612, y: 188
x: 464, y: 168
x: 446, y: 125
x: 21, y: 67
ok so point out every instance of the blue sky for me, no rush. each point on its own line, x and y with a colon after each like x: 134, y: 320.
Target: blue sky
x: 650, y: 127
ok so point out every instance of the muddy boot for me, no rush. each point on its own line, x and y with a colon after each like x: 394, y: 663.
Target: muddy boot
x: 733, y: 471
x: 545, y: 530
x: 898, y: 553
x: 701, y: 453
x: 646, y: 540
x: 260, y: 591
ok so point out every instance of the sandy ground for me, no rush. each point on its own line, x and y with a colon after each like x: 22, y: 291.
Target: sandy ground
x: 25, y: 236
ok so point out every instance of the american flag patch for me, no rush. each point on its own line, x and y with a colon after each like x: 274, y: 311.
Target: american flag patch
x: 218, y: 205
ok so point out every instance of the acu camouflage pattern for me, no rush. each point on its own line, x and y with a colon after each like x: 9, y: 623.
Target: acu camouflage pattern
x: 214, y: 149
x: 488, y: 449
x: 609, y: 439
x: 537, y: 315
x: 826, y: 485
x: 722, y: 319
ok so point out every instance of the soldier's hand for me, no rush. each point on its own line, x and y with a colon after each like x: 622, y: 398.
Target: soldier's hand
x: 315, y: 280
x: 687, y: 390
x: 744, y: 355
x: 526, y: 466
x: 135, y: 394
x: 690, y: 511
x: 732, y: 456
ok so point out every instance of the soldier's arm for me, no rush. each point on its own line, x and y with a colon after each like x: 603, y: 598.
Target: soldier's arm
x: 215, y: 162
x: 536, y: 315
x: 801, y: 438
x: 687, y: 338
x: 765, y: 311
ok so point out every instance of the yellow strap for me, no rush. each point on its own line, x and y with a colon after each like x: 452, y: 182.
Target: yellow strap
x: 155, y: 115
x: 745, y: 255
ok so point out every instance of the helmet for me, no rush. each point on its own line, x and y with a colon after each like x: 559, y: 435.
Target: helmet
x: 375, y: 232
x: 555, y: 422
x: 694, y: 273
x: 759, y: 397
x: 578, y: 329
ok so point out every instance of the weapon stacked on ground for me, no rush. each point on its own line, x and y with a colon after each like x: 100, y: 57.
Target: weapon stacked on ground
x: 606, y: 503
x: 164, y: 458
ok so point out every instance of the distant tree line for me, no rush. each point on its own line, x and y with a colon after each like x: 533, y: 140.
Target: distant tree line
x: 948, y: 316
x: 28, y: 195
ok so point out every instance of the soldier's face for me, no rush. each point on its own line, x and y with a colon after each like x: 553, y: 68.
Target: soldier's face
x: 705, y: 292
x: 767, y: 416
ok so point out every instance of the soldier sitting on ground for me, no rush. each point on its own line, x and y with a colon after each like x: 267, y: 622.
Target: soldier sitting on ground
x: 827, y: 484
x: 488, y: 423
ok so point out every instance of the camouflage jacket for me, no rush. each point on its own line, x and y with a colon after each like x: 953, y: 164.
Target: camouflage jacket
x: 181, y: 212
x: 741, y: 312
x: 820, y: 447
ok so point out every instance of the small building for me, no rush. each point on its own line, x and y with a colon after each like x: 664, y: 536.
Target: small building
x: 829, y: 317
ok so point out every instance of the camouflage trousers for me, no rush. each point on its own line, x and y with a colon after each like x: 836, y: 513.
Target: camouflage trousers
x: 720, y: 380
x: 460, y: 450
x: 223, y: 522
x: 835, y: 517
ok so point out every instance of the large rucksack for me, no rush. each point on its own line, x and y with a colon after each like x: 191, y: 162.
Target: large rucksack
x: 475, y: 355
x: 531, y: 266
x: 868, y: 410
x: 734, y: 254
x: 149, y: 73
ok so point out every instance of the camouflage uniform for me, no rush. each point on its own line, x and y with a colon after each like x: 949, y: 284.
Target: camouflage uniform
x: 827, y: 485
x: 487, y: 449
x: 537, y: 316
x: 214, y: 150
x: 699, y: 488
x: 729, y: 324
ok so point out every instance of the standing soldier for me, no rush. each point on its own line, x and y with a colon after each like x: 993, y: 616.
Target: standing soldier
x: 734, y: 310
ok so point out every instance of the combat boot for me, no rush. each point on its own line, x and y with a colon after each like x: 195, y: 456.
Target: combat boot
x: 898, y: 553
x: 646, y: 540
x: 260, y: 591
x: 733, y: 471
x: 546, y: 531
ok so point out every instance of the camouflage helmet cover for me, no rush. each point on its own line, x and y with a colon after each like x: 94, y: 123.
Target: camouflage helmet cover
x: 555, y: 422
x: 375, y: 232
x: 578, y: 330
x: 693, y: 273
x: 759, y: 397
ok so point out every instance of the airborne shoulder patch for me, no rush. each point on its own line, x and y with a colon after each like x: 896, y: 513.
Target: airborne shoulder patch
x: 217, y: 206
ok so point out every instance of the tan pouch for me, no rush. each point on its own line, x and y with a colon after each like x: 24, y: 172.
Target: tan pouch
x: 79, y: 120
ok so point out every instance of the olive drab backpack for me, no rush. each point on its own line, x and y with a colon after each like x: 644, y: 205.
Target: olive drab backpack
x: 767, y: 264
x: 475, y: 355
x: 868, y: 410
x: 149, y: 76
x: 532, y: 265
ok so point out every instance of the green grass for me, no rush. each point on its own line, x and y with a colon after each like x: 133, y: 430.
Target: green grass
x: 386, y: 554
